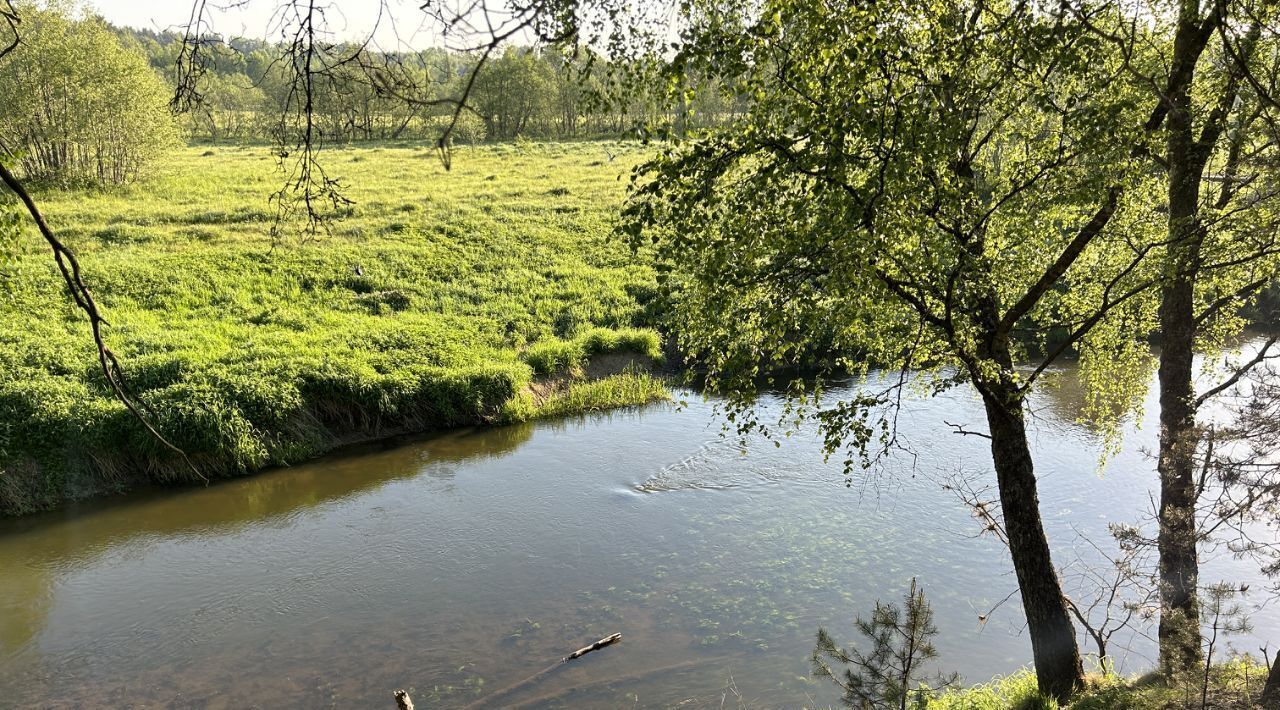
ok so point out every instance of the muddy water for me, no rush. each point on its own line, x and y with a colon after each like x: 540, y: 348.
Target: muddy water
x: 459, y: 564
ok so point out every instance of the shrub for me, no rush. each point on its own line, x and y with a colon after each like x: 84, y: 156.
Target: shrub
x: 888, y: 672
x: 78, y: 107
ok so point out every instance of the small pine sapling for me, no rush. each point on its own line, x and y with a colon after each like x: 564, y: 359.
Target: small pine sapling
x: 889, y: 674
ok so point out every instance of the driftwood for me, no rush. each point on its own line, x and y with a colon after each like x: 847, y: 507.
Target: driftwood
x: 488, y: 700
x: 606, y: 641
x: 403, y: 702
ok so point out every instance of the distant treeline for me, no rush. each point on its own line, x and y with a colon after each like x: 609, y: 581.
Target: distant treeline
x: 529, y: 92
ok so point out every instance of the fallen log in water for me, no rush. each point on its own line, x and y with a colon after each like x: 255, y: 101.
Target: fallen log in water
x: 488, y: 700
x: 606, y: 641
x: 403, y: 702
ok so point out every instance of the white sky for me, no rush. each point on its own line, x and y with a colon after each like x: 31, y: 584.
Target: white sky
x: 401, y: 24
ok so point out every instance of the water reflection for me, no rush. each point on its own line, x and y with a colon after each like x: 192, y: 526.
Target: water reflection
x: 34, y: 551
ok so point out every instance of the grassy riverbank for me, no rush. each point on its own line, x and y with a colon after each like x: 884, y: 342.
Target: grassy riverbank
x: 1236, y: 685
x: 443, y: 299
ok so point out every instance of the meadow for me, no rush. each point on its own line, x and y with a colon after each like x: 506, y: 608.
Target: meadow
x: 443, y: 298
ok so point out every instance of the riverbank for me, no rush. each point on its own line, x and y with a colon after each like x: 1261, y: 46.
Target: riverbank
x: 1236, y: 684
x: 477, y: 296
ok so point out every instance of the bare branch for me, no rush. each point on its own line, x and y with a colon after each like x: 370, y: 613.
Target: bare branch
x: 959, y: 429
x: 1264, y: 353
x: 10, y: 19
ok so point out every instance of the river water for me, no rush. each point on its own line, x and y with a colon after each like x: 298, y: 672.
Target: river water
x: 458, y: 564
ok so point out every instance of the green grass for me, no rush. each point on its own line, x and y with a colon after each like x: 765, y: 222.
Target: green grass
x: 474, y: 282
x: 586, y: 396
x: 559, y: 356
x: 1233, y: 684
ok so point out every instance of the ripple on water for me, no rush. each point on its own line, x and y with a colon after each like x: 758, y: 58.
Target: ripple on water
x: 722, y: 464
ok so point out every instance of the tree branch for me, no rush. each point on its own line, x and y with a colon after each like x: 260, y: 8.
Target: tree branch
x: 70, y: 270
x: 1060, y: 265
x: 1240, y: 372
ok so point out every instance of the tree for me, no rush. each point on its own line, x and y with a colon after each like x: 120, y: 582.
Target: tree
x: 944, y: 136
x: 892, y: 672
x: 231, y: 107
x: 1271, y: 690
x: 915, y: 189
x: 1212, y: 74
x: 513, y: 93
x: 64, y: 258
x: 78, y: 106
x: 1237, y: 490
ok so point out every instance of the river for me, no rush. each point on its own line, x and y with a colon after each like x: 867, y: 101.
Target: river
x: 457, y: 564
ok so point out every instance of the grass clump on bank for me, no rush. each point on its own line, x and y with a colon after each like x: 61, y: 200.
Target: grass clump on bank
x: 557, y: 356
x: 629, y: 387
x: 437, y: 302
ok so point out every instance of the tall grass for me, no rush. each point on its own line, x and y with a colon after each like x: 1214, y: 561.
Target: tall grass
x: 433, y: 304
x: 586, y: 396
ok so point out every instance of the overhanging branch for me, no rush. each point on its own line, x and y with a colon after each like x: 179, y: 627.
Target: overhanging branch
x: 69, y: 267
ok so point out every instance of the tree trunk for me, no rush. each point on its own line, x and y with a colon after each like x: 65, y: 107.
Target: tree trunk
x: 1179, y: 631
x: 1271, y: 691
x: 1053, y: 638
x: 1179, y: 568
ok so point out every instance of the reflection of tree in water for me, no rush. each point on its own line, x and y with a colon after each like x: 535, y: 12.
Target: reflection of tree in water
x: 1060, y: 397
x: 1059, y: 401
x: 469, y: 445
x: 33, y: 549
x: 25, y: 598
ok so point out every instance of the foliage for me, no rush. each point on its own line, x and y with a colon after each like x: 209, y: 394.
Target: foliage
x: 10, y: 231
x: 79, y: 107
x: 251, y: 357
x: 1206, y: 69
x: 521, y: 91
x: 834, y: 217
x: 890, y: 674
x: 907, y: 190
x: 511, y: 91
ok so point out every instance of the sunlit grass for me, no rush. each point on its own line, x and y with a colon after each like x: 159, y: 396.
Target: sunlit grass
x: 1235, y: 683
x: 587, y: 396
x: 432, y: 304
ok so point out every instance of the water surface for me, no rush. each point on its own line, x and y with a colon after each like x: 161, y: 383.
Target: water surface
x: 461, y: 563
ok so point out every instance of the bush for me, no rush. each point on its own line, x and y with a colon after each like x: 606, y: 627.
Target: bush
x: 79, y: 108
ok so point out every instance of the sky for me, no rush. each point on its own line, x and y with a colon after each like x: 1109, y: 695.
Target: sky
x: 347, y: 19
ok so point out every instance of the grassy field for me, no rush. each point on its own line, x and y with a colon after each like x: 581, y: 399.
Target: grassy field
x: 478, y: 285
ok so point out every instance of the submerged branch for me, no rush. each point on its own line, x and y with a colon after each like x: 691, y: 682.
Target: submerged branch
x: 536, y: 677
